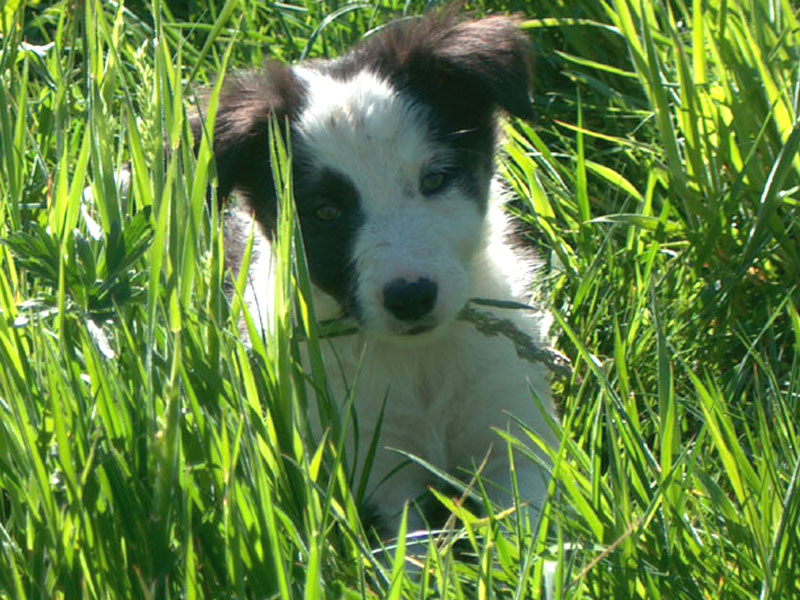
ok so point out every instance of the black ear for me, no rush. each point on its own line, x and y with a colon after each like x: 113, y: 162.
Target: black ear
x: 466, y: 67
x: 493, y: 58
x: 246, y: 104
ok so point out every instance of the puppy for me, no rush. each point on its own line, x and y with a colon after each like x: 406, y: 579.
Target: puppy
x: 393, y: 152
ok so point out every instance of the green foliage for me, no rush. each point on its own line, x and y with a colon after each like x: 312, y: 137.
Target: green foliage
x: 146, y: 452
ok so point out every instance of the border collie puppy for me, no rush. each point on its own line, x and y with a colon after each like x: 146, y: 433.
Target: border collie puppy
x: 393, y: 151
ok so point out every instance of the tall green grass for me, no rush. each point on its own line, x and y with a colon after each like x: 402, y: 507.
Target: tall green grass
x: 146, y: 452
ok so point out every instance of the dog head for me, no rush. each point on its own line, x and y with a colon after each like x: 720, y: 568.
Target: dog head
x: 393, y: 156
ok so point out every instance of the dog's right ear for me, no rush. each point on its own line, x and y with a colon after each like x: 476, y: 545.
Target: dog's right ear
x: 240, y: 140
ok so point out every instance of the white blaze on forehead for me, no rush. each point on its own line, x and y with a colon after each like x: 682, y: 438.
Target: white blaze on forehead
x: 364, y: 129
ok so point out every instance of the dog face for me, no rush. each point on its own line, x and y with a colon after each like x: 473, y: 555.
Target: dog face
x: 407, y: 207
x: 393, y: 150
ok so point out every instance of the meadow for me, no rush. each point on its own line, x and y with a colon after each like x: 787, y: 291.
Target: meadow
x: 147, y: 452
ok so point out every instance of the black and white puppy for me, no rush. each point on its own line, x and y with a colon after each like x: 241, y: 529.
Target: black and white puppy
x: 393, y: 151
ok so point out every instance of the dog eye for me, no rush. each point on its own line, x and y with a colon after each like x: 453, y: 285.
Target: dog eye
x: 433, y: 182
x: 327, y: 212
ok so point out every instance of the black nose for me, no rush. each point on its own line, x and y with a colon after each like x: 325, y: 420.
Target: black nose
x: 409, y: 301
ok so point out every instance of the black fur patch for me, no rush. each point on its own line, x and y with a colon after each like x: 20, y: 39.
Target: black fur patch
x: 328, y: 243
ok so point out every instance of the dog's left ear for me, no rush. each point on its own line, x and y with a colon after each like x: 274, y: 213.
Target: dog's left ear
x: 489, y: 59
x: 465, y: 67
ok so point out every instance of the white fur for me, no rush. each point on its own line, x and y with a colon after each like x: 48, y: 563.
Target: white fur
x: 445, y: 389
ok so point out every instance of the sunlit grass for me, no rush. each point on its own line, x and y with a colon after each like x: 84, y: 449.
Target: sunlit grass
x: 146, y: 451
